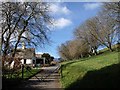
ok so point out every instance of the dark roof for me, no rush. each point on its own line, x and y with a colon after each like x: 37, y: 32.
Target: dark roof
x: 27, y: 53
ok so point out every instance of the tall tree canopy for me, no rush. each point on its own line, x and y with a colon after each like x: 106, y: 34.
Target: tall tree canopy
x: 48, y: 57
x: 113, y: 10
x: 24, y: 22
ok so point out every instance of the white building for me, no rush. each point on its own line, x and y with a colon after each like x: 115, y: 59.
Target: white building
x: 27, y: 55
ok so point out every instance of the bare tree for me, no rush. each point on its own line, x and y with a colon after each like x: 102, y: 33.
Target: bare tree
x: 73, y: 49
x: 101, y: 29
x: 26, y: 22
x: 113, y: 10
x: 64, y: 52
x: 82, y: 33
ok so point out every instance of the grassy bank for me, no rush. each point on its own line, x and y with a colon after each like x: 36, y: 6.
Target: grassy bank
x: 97, y: 71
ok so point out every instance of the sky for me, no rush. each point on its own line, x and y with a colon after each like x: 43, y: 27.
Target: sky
x: 67, y: 17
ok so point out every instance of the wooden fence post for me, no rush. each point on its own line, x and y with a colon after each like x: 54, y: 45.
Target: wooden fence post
x: 22, y: 71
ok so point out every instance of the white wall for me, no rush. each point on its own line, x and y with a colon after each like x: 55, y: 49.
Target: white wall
x: 12, y: 64
x: 28, y: 61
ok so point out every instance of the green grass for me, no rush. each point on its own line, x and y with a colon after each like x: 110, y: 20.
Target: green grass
x: 27, y: 74
x: 16, y: 81
x: 76, y: 73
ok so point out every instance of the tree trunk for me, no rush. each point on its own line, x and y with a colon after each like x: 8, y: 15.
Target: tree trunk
x: 81, y: 56
x: 110, y: 47
x: 95, y: 51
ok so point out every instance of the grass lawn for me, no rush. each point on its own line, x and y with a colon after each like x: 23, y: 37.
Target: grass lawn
x: 14, y: 82
x: 97, y: 71
x: 18, y: 74
x: 28, y: 74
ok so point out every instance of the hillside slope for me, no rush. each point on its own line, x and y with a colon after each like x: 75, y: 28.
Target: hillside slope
x: 94, y: 72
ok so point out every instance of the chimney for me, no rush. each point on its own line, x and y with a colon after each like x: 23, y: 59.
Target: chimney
x: 23, y: 45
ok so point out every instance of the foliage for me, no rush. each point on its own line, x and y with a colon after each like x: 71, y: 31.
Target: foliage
x: 47, y: 57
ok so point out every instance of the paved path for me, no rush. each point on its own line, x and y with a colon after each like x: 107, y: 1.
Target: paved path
x: 49, y: 79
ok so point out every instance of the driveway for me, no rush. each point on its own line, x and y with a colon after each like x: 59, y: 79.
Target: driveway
x: 49, y: 78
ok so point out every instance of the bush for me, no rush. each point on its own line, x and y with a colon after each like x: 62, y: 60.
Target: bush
x: 46, y: 65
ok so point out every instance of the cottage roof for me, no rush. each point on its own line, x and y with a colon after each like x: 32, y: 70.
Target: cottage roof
x: 27, y: 53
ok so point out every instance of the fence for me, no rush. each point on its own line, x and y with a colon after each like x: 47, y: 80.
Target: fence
x: 16, y: 73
